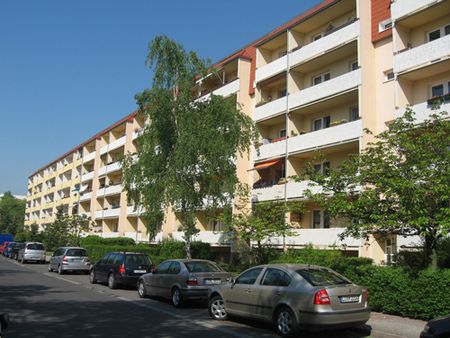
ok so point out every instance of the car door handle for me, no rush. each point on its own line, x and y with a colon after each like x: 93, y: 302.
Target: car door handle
x: 248, y: 290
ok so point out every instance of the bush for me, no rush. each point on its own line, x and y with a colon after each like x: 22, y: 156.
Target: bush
x: 172, y: 249
x: 97, y: 251
x: 93, y: 239
x: 309, y: 255
x: 200, y: 250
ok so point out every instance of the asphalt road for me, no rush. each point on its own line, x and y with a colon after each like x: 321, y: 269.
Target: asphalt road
x: 44, y: 304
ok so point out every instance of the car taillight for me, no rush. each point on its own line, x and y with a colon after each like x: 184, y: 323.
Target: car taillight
x: 122, y: 269
x: 321, y: 298
x: 65, y: 259
x: 367, y: 296
x: 192, y: 281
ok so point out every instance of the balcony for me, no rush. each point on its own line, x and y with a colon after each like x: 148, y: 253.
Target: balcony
x: 139, y: 237
x: 276, y: 192
x: 423, y: 110
x: 343, y: 133
x: 403, y: 8
x: 330, y: 88
x: 271, y: 69
x: 422, y: 56
x: 110, y: 234
x: 86, y: 196
x: 89, y: 157
x: 109, y: 168
x: 270, y: 109
x: 113, y: 145
x: 323, y: 238
x: 211, y: 237
x: 88, y: 176
x: 225, y: 91
x: 107, y: 213
x: 336, y: 39
x: 111, y: 190
x: 133, y: 211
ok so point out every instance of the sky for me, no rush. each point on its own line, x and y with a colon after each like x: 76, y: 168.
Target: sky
x: 69, y: 69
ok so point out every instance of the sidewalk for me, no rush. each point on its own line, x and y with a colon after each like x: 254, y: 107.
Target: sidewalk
x: 394, y: 326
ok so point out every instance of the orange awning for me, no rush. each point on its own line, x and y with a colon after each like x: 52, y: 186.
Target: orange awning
x: 267, y: 164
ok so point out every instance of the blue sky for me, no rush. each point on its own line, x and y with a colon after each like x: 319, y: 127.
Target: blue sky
x: 68, y: 69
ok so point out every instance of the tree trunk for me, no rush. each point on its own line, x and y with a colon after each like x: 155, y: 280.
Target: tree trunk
x: 188, y: 248
x: 430, y: 251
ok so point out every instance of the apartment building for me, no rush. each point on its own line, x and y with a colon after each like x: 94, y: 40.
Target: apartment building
x: 311, y: 86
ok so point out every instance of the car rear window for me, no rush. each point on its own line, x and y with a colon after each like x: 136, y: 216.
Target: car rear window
x: 321, y: 277
x: 76, y: 253
x: 135, y: 260
x: 199, y: 266
x: 35, y: 246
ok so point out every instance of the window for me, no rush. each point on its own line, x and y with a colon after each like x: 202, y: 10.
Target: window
x: 389, y: 75
x: 281, y: 93
x: 111, y: 258
x: 322, y: 123
x: 282, y: 133
x: 437, y: 90
x: 217, y: 226
x: 174, y: 268
x: 317, y: 37
x: 385, y: 24
x: 438, y: 33
x: 320, y: 78
x: 275, y: 277
x: 249, y: 277
x: 354, y: 65
x: 322, y: 277
x: 322, y: 168
x: 163, y: 267
x: 320, y: 219
x: 202, y: 266
x: 282, y: 53
x: 354, y: 113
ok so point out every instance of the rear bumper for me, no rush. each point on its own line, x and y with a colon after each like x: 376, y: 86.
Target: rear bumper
x: 192, y: 294
x: 127, y: 280
x: 76, y: 267
x: 34, y: 257
x: 331, y: 320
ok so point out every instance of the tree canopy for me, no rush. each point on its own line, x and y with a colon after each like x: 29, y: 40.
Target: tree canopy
x: 186, y: 153
x: 398, y: 184
x: 12, y: 213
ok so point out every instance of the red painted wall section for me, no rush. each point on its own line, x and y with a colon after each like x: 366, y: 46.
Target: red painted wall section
x: 381, y: 10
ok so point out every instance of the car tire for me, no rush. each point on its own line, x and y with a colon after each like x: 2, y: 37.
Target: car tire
x: 60, y: 270
x: 112, y: 284
x: 177, y: 298
x: 92, y: 278
x: 216, y: 308
x: 49, y: 268
x: 141, y: 289
x: 285, y: 322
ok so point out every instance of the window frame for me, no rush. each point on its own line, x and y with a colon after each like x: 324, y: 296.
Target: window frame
x: 323, y: 123
x: 441, y: 30
x: 246, y: 272
x: 324, y: 219
x: 322, y: 78
x: 268, y: 270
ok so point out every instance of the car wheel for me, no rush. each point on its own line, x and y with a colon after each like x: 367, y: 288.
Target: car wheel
x: 49, y: 268
x: 92, y: 278
x: 177, y: 299
x: 216, y: 308
x: 286, y: 323
x: 112, y: 281
x: 60, y: 270
x: 141, y: 289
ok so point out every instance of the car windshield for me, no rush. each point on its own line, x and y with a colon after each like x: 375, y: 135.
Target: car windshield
x: 135, y: 260
x: 76, y: 253
x: 321, y: 277
x: 35, y: 246
x: 200, y: 266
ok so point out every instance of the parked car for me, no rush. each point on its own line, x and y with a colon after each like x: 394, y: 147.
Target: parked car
x: 437, y: 328
x: 4, y: 320
x: 120, y: 268
x: 15, y: 250
x: 181, y: 280
x: 3, y: 248
x: 69, y: 259
x: 293, y: 296
x: 32, y: 251
x: 8, y: 249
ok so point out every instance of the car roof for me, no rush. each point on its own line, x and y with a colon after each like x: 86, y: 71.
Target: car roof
x: 71, y: 247
x: 187, y: 260
x: 292, y: 266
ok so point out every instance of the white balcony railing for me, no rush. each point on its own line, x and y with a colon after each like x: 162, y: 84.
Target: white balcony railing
x: 107, y: 213
x: 86, y: 196
x: 110, y: 234
x: 273, y: 68
x: 324, y: 238
x: 117, y: 143
x: 133, y: 211
x: 422, y: 55
x: 89, y: 157
x: 111, y: 190
x: 404, y: 8
x: 333, y: 87
x: 270, y: 109
x: 225, y: 91
x: 423, y: 111
x: 276, y: 192
x: 211, y: 237
x: 331, y: 41
x: 88, y: 176
x: 109, y: 168
x: 140, y: 237
x: 343, y: 133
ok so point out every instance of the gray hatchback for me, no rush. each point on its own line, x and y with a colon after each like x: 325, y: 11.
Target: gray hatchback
x: 293, y: 296
x: 69, y: 259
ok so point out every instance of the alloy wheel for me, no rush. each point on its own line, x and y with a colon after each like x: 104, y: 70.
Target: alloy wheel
x: 284, y: 322
x: 217, y: 308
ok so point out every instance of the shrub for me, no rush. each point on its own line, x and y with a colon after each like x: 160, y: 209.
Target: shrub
x: 97, y: 251
x: 172, y: 249
x: 200, y: 250
x: 309, y: 255
x: 93, y: 239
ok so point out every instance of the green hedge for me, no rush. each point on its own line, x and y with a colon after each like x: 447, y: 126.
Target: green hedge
x: 97, y: 240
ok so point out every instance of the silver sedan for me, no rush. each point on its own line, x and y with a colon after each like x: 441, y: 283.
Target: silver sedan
x: 181, y: 280
x: 293, y: 296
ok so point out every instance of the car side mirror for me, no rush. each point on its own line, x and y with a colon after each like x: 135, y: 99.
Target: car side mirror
x: 231, y: 280
x: 4, y: 320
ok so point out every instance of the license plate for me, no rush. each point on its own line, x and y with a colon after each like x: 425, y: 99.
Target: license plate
x: 349, y: 299
x: 212, y: 281
x: 140, y: 271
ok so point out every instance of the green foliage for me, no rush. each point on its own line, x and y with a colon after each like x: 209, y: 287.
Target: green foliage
x: 187, y: 152
x: 65, y: 230
x: 201, y: 250
x: 12, y: 212
x: 418, y: 260
x: 172, y: 249
x: 97, y: 251
x: 29, y: 234
x: 94, y: 239
x: 405, y: 175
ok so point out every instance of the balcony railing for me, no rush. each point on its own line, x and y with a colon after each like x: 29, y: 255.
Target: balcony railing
x: 111, y: 190
x: 273, y: 68
x: 108, y: 213
x: 89, y: 157
x: 332, y: 87
x: 225, y: 91
x: 276, y: 192
x: 423, y: 110
x: 88, y: 176
x: 109, y: 168
x: 110, y: 234
x: 270, y: 109
x: 342, y: 133
x: 211, y: 237
x: 404, y: 8
x: 133, y: 211
x: 422, y: 56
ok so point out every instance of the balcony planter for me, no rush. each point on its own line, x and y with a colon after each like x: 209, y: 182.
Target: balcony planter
x: 447, y: 97
x: 338, y: 122
x: 436, y: 101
